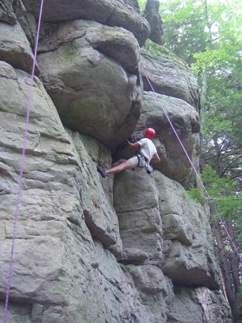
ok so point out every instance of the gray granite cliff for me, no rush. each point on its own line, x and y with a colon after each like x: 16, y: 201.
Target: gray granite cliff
x: 130, y: 248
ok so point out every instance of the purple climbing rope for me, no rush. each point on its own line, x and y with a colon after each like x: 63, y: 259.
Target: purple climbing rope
x: 178, y: 138
x: 16, y: 213
x: 235, y: 249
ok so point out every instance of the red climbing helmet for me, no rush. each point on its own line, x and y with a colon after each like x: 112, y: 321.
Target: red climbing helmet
x: 149, y: 133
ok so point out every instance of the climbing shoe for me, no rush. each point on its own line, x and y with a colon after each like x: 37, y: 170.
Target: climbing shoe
x: 148, y: 168
x: 101, y: 171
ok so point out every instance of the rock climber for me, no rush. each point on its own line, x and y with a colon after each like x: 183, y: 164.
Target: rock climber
x: 145, y: 153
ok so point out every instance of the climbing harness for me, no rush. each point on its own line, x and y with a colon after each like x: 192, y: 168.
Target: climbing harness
x: 143, y: 162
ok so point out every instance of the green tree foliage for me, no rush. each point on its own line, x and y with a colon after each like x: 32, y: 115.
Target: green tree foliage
x: 207, y: 35
x: 220, y: 191
x: 142, y: 4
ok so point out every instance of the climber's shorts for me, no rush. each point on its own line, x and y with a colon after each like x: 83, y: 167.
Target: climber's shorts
x: 134, y: 161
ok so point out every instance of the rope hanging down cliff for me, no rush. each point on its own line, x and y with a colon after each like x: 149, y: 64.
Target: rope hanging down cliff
x: 30, y: 97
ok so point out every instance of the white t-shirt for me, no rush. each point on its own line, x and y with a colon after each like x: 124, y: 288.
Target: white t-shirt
x: 147, y: 148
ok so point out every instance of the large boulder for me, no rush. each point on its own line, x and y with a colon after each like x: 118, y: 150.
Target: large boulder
x: 111, y: 13
x: 168, y: 75
x: 91, y: 72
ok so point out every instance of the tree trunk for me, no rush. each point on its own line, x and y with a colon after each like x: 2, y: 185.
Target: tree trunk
x: 229, y: 269
x: 203, y: 74
x: 225, y: 268
x: 234, y: 260
x: 204, y: 86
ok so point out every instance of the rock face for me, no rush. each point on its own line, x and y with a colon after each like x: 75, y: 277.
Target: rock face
x: 151, y: 13
x: 99, y: 86
x: 131, y: 248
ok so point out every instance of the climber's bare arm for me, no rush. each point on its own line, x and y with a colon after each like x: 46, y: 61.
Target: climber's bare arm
x: 155, y: 158
x: 133, y: 145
